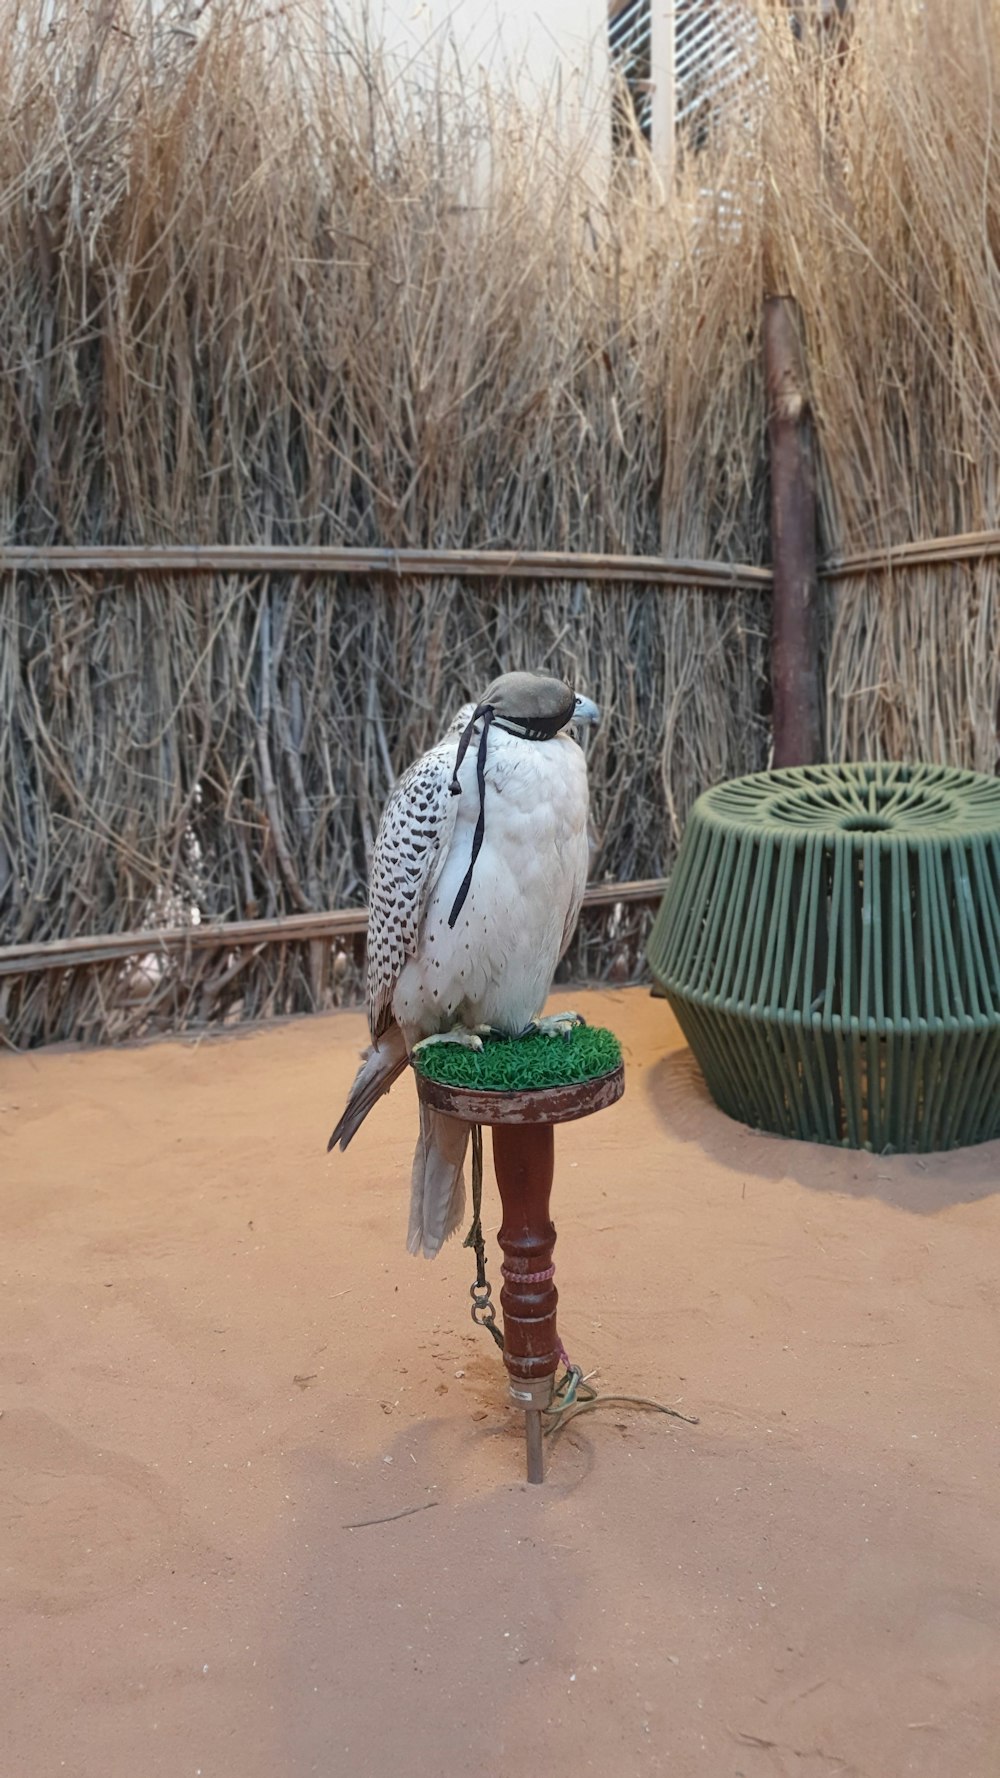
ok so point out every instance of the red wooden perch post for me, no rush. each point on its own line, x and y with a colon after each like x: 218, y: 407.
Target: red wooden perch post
x: 524, y: 1156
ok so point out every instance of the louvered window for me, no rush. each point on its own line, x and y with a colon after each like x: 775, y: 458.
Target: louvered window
x: 712, y: 57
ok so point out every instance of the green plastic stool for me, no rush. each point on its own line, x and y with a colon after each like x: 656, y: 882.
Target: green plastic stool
x: 830, y: 944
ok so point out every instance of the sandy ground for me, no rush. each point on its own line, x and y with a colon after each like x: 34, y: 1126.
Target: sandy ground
x: 218, y: 1358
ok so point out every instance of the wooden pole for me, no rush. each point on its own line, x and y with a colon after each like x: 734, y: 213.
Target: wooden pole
x: 523, y: 1121
x: 393, y: 564
x: 523, y: 1159
x: 794, y: 644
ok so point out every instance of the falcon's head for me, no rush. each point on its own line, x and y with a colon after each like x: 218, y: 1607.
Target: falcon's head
x: 532, y: 706
x: 535, y: 706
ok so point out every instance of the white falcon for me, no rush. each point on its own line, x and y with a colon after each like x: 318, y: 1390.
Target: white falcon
x: 478, y: 873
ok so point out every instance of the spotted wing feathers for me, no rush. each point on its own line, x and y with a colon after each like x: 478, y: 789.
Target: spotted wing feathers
x: 410, y: 849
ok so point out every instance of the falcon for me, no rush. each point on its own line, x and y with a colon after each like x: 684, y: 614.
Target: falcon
x: 477, y: 876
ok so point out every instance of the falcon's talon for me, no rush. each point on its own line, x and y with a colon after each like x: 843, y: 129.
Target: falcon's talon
x: 556, y: 1024
x: 469, y: 1040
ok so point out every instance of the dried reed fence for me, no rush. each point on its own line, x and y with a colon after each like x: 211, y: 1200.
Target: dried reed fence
x: 256, y: 293
x: 882, y: 214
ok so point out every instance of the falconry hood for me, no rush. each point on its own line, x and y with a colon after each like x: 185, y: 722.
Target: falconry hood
x: 535, y: 706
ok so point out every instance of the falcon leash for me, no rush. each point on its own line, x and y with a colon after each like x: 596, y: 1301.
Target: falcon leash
x: 483, y: 1312
x: 486, y: 712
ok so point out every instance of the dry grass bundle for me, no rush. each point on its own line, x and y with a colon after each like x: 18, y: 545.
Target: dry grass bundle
x: 254, y: 294
x: 883, y: 217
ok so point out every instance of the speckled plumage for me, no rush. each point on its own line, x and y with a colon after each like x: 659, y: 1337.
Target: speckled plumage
x: 410, y: 848
x: 495, y: 965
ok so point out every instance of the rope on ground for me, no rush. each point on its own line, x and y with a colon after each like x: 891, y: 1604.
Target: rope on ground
x: 573, y: 1395
x: 483, y: 1312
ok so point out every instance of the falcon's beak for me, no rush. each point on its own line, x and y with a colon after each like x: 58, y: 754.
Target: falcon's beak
x: 584, y: 712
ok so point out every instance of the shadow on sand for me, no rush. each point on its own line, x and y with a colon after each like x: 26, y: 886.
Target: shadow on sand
x: 921, y: 1184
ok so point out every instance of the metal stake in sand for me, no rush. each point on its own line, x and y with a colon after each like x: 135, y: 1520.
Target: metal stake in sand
x: 523, y: 1122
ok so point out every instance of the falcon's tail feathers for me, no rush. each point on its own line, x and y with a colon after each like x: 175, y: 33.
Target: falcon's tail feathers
x: 437, y: 1193
x: 381, y: 1064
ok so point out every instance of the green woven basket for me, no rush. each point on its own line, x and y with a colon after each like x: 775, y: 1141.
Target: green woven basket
x: 830, y: 944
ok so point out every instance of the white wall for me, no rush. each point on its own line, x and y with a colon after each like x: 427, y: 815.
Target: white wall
x: 537, y: 41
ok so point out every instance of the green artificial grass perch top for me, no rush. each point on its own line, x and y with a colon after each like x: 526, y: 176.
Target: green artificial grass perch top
x: 518, y: 1064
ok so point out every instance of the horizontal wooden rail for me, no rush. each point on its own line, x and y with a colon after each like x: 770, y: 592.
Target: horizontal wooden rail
x: 483, y: 564
x: 74, y: 953
x: 492, y: 564
x: 475, y: 564
x: 935, y: 552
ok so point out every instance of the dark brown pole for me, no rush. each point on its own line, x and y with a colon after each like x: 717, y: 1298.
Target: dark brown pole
x: 523, y: 1156
x: 794, y: 643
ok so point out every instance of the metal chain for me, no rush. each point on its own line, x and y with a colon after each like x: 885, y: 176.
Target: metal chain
x: 483, y: 1312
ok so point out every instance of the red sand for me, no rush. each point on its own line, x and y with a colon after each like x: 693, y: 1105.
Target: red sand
x: 218, y: 1356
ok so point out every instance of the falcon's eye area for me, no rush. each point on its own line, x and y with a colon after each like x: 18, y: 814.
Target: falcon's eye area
x: 585, y: 710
